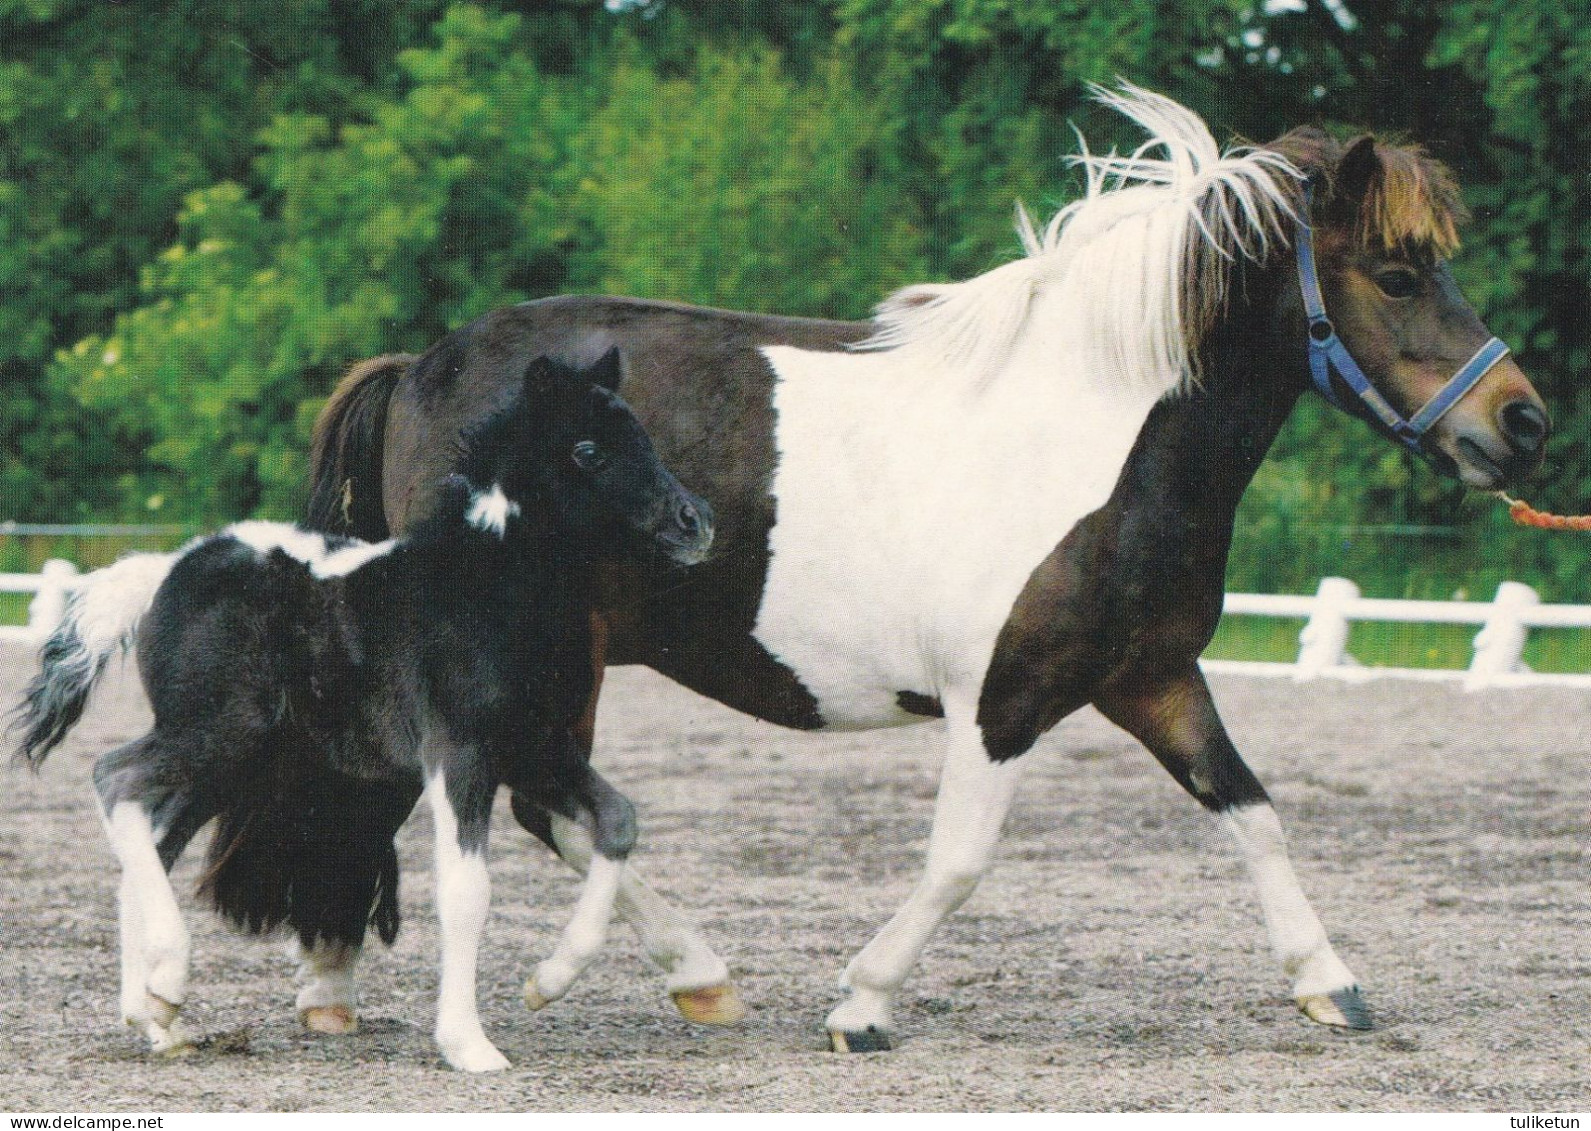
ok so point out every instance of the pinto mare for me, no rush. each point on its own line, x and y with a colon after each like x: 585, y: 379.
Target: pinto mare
x: 1005, y: 498
x: 307, y: 688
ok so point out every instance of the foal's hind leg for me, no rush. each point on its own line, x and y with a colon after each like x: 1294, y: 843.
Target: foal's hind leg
x: 1176, y: 719
x: 613, y: 833
x: 154, y: 940
x: 326, y: 987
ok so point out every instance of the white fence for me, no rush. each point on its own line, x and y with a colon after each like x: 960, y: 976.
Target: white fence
x: 49, y: 588
x: 1504, y: 623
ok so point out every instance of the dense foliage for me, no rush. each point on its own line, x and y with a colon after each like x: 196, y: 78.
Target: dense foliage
x: 207, y: 211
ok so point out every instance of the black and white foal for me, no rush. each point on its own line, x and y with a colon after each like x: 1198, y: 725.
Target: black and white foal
x: 307, y: 690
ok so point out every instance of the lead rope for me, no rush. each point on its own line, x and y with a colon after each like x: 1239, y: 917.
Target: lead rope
x: 1524, y: 514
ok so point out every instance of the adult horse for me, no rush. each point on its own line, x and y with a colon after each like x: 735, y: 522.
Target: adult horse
x: 1004, y: 498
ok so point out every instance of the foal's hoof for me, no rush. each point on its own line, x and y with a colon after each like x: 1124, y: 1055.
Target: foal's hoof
x: 1343, y: 1009
x: 333, y: 1020
x: 535, y: 1000
x: 864, y: 1040
x: 711, y: 1005
x: 162, y: 1012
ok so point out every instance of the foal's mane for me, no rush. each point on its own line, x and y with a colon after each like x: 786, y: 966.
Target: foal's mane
x: 1134, y: 275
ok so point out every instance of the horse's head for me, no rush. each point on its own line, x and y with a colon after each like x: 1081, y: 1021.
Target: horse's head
x: 1384, y: 219
x: 573, y: 446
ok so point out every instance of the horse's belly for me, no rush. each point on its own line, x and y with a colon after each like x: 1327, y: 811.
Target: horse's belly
x: 904, y: 534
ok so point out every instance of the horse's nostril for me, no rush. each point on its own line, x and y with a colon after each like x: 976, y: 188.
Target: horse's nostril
x: 1525, y: 424
x: 689, y: 519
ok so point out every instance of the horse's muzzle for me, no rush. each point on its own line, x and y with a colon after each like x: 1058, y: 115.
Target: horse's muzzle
x: 1500, y: 452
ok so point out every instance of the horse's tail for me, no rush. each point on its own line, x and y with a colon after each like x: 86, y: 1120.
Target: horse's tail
x: 102, y: 617
x: 315, y: 854
x: 345, y: 458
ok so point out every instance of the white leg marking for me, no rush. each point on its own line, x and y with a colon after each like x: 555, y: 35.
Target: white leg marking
x: 974, y: 796
x: 670, y: 940
x: 1295, y: 931
x: 463, y: 895
x: 155, y: 943
x: 326, y: 987
x: 582, y: 939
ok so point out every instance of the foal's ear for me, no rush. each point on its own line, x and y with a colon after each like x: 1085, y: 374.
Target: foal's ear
x: 1358, y: 169
x: 607, y: 371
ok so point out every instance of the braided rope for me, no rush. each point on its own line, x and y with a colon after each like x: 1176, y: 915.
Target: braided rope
x: 1526, y: 515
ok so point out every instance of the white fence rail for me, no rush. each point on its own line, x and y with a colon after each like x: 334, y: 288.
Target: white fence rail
x: 1504, y: 624
x: 49, y: 588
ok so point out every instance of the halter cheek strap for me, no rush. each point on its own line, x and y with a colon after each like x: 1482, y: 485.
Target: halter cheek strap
x: 1327, y: 354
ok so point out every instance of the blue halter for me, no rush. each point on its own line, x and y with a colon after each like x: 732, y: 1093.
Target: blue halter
x: 1327, y: 353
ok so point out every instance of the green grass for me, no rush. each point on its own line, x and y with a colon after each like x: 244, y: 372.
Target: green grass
x: 1396, y: 645
x: 14, y: 607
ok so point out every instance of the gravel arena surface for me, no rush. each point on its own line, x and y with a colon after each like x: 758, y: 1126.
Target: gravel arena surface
x: 1113, y: 960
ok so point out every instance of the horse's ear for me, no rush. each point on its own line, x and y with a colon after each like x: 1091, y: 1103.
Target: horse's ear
x: 607, y: 370
x: 1358, y: 169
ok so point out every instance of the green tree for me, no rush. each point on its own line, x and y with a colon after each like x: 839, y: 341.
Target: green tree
x: 367, y: 236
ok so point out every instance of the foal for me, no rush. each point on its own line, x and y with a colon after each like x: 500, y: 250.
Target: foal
x: 308, y: 689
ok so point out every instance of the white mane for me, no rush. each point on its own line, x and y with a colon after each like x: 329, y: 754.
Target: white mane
x: 1131, y: 276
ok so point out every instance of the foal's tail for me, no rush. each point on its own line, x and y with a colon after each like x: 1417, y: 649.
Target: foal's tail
x: 345, y: 461
x: 102, y: 616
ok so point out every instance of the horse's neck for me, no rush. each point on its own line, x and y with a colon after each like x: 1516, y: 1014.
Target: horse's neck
x: 1198, y: 452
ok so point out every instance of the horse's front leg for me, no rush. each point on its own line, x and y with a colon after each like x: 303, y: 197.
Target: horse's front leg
x: 460, y: 797
x: 1176, y: 719
x: 975, y: 794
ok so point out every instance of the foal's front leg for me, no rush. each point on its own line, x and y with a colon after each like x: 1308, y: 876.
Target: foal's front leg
x: 461, y: 807
x: 612, y: 819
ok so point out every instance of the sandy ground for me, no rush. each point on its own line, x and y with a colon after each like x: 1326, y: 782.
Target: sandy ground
x: 1114, y: 960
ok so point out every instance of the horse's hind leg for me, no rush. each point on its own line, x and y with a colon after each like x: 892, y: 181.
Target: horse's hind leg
x: 154, y: 940
x: 613, y: 836
x: 975, y: 794
x: 326, y: 986
x: 1176, y: 719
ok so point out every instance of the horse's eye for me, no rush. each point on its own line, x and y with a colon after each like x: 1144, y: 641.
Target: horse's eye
x: 1398, y: 282
x: 586, y: 454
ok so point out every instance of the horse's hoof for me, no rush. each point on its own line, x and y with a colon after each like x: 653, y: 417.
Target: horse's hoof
x: 711, y: 1005
x: 865, y: 1040
x: 332, y: 1020
x: 1342, y: 1009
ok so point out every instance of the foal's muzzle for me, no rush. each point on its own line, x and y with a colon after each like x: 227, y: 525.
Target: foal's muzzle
x: 686, y: 529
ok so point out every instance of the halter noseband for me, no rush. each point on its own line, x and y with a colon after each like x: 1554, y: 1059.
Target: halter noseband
x: 1327, y: 353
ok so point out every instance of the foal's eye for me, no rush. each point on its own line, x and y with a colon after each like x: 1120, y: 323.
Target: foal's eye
x: 586, y: 454
x: 1398, y: 282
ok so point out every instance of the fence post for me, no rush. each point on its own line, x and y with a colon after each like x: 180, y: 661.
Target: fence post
x: 1324, y: 642
x: 1501, y: 640
x: 49, y: 603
